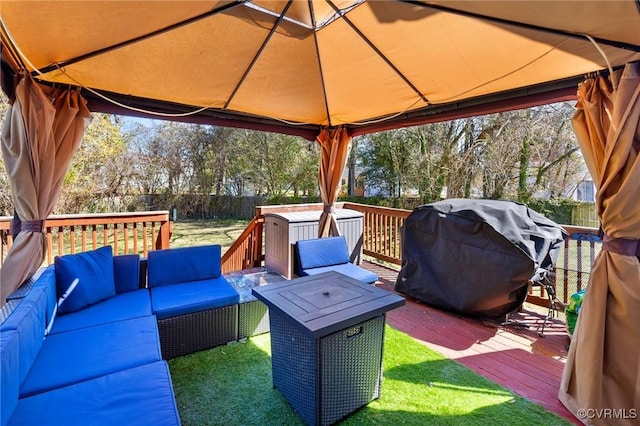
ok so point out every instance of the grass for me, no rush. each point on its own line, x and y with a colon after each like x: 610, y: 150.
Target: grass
x: 231, y: 385
x: 195, y: 232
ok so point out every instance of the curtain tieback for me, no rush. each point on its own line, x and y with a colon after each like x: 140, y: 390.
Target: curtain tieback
x: 623, y: 246
x: 18, y: 226
x: 329, y: 209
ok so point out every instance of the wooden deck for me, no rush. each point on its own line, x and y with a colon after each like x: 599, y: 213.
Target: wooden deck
x: 514, y: 357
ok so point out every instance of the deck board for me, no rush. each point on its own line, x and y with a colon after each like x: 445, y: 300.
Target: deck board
x: 514, y: 357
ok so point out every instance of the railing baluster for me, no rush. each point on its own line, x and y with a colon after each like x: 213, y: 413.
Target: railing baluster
x: 60, y: 240
x: 565, y: 257
x: 579, y: 263
x: 84, y: 237
x: 125, y: 232
x: 72, y: 238
x: 144, y: 238
x: 116, y: 237
x: 105, y: 235
x: 49, y: 246
x: 94, y: 237
x: 135, y: 237
x: 153, y: 233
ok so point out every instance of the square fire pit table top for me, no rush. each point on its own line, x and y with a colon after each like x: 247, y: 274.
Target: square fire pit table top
x: 325, y: 303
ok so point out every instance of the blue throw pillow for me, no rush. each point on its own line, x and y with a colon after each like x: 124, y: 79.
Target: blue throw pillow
x: 93, y: 269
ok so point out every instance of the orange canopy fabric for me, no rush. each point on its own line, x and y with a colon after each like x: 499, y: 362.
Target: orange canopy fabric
x: 603, y: 365
x: 298, y: 66
x: 41, y: 133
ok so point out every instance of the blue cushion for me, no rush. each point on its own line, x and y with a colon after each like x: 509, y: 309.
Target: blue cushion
x: 28, y: 319
x: 178, y: 299
x: 94, y: 269
x: 47, y: 280
x: 138, y: 396
x: 348, y: 269
x: 322, y: 252
x: 183, y: 264
x: 9, y: 374
x: 87, y: 353
x: 124, y: 306
x: 126, y: 272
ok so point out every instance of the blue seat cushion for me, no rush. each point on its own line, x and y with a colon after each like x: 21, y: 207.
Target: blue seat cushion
x: 139, y: 396
x: 322, y: 252
x: 47, y: 280
x: 178, y: 299
x: 93, y: 269
x: 348, y: 269
x: 28, y: 319
x: 83, y: 354
x: 9, y: 374
x: 124, y: 306
x: 126, y: 272
x: 183, y: 264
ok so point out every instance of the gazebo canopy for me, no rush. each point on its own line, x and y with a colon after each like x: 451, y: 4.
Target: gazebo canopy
x: 297, y: 66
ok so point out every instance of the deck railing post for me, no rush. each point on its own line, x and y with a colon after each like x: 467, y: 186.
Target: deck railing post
x: 164, y: 236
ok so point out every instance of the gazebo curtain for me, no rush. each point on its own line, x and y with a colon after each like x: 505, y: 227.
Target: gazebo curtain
x: 42, y: 129
x: 603, y: 366
x: 335, y: 149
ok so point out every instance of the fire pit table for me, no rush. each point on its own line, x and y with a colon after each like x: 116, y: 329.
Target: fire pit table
x: 327, y: 334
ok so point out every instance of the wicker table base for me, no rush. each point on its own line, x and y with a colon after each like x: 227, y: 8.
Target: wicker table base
x: 328, y: 378
x: 253, y: 315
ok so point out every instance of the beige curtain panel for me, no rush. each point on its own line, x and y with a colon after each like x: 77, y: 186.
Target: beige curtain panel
x: 335, y: 149
x: 602, y: 374
x: 42, y: 129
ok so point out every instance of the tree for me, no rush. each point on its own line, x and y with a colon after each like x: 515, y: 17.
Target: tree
x: 6, y: 201
x: 279, y: 164
x: 527, y: 151
x: 161, y: 158
x: 100, y: 170
x: 385, y: 159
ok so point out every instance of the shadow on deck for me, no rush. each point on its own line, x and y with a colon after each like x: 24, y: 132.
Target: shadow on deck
x: 514, y: 357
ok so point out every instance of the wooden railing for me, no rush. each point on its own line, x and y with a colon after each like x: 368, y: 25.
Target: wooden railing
x: 382, y: 240
x: 247, y: 251
x: 573, y: 266
x: 382, y: 231
x: 127, y: 233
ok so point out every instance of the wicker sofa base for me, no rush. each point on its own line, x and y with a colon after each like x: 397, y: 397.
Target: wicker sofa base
x: 253, y: 319
x: 185, y: 334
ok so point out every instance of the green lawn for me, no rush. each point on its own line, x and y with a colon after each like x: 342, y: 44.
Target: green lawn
x: 231, y: 385
x: 195, y: 232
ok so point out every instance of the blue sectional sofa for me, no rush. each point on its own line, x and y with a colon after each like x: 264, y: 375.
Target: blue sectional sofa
x: 320, y: 255
x: 96, y: 357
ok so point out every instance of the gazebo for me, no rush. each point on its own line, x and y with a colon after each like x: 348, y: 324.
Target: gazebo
x: 327, y: 70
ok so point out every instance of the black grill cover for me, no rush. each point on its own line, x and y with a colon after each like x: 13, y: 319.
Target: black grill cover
x: 476, y: 257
